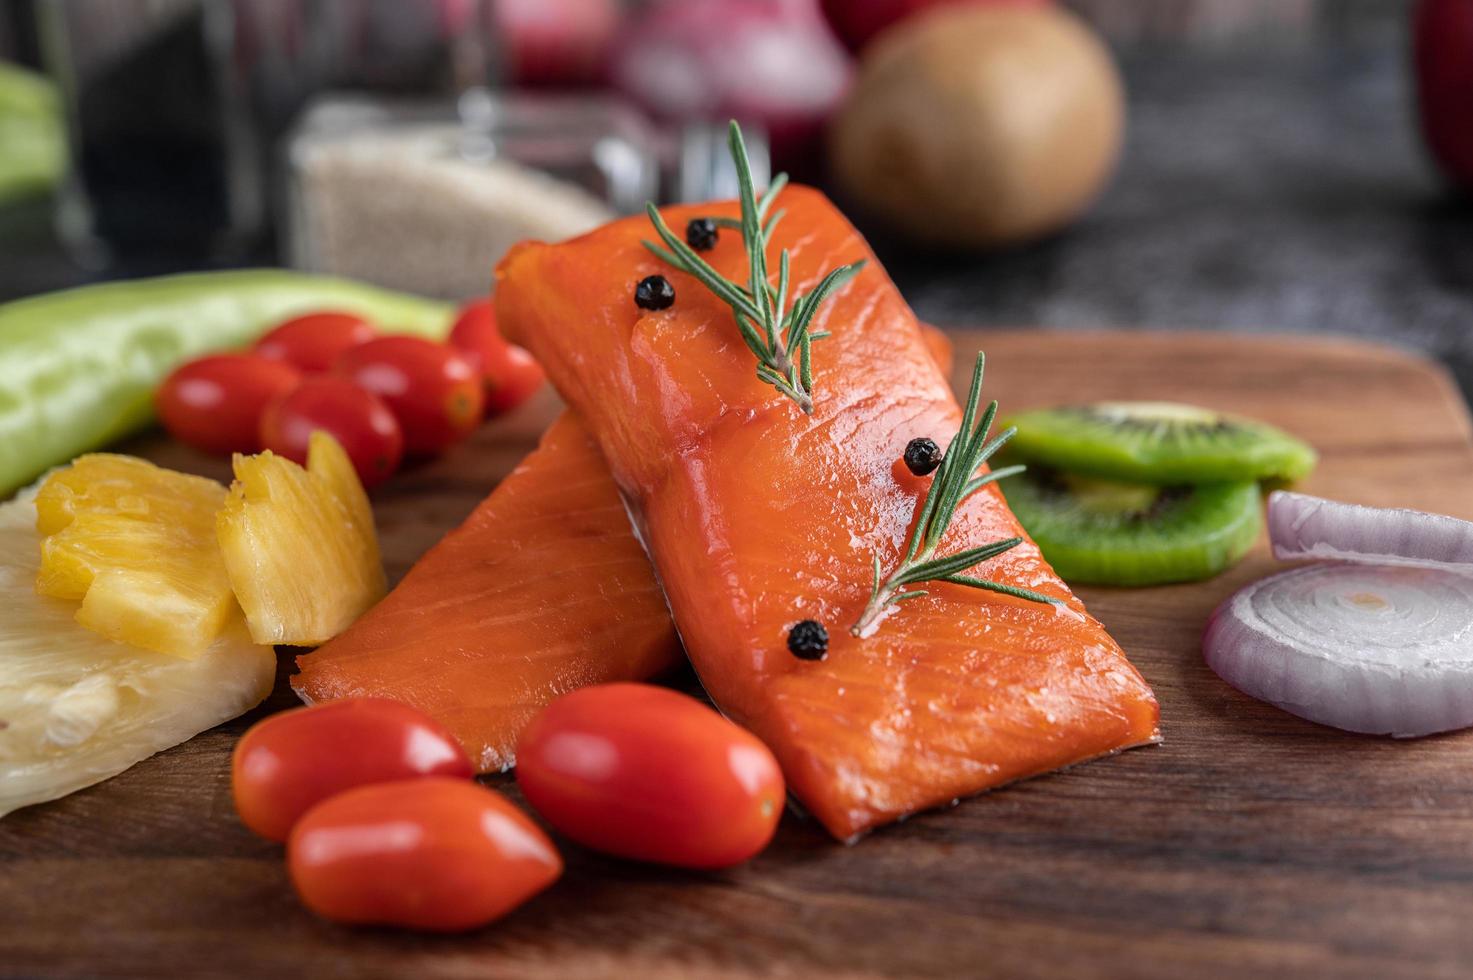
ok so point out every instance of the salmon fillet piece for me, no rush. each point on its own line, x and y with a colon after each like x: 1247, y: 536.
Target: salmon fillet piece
x: 543, y: 589
x: 756, y: 516
x: 485, y: 683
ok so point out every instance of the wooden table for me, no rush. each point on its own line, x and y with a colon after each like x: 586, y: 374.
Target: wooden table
x: 1249, y: 841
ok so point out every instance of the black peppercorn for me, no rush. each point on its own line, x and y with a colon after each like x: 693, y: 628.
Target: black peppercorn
x: 808, y: 640
x: 922, y: 456
x: 701, y: 234
x: 654, y: 293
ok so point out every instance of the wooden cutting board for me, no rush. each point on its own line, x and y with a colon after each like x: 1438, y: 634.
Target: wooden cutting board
x: 1248, y: 842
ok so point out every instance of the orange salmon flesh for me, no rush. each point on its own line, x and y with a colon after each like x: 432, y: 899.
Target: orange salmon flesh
x: 443, y: 640
x: 541, y: 591
x: 756, y: 516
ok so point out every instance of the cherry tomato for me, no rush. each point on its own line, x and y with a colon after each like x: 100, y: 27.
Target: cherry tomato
x: 431, y: 388
x: 290, y: 762
x: 438, y: 854
x: 357, y: 419
x: 313, y: 342
x: 647, y: 773
x: 215, y: 403
x: 510, y: 372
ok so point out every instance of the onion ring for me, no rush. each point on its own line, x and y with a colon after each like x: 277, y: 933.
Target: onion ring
x: 1301, y: 526
x: 1381, y: 649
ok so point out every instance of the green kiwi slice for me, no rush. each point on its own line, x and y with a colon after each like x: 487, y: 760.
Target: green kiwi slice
x: 1098, y: 532
x: 1160, y: 443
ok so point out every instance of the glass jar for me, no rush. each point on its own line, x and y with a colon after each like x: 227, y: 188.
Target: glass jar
x: 174, y: 106
x: 427, y: 196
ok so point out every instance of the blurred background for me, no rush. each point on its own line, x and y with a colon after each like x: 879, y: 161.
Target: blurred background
x: 1263, y: 165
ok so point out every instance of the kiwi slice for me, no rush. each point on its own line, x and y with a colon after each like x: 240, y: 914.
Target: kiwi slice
x: 1099, y: 532
x: 1160, y: 443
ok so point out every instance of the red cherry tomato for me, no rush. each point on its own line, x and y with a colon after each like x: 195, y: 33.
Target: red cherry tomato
x: 290, y: 762
x: 313, y: 342
x: 510, y: 372
x: 215, y: 403
x: 647, y: 773
x: 431, y: 388
x: 438, y: 854
x: 357, y: 419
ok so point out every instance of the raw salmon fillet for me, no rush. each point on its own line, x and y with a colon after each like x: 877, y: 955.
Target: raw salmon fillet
x: 757, y: 516
x: 542, y: 590
x: 395, y: 652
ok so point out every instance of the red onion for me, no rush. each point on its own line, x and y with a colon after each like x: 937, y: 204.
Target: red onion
x: 1301, y: 526
x: 555, y: 42
x: 1382, y: 649
x: 771, y: 62
x: 856, y: 21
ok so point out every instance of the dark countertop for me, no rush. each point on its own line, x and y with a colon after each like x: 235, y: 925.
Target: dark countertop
x: 1263, y: 187
x: 1268, y: 191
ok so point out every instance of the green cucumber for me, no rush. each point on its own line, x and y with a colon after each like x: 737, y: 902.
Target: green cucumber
x: 78, y: 368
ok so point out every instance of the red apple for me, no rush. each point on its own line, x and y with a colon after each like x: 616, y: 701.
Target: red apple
x: 1444, y: 55
x: 856, y: 21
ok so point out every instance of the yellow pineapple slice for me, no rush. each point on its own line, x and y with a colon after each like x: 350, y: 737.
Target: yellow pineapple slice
x: 300, y: 545
x: 77, y: 708
x: 136, y: 544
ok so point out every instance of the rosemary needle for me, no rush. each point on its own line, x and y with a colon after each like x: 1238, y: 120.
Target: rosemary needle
x: 776, y: 330
x: 954, y: 482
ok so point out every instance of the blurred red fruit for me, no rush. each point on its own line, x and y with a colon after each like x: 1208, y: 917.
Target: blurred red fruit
x: 856, y: 21
x: 555, y: 42
x: 769, y: 62
x: 510, y: 374
x: 1444, y: 56
x: 312, y: 342
x: 358, y: 420
x: 215, y: 403
x: 432, y: 389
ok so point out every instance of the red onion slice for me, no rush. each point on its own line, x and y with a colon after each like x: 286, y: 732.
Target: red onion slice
x: 1381, y: 649
x: 1301, y: 526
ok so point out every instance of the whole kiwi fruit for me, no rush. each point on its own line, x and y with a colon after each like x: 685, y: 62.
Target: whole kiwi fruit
x: 978, y: 125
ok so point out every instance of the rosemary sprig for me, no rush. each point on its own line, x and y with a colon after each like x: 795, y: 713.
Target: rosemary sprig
x: 953, y: 482
x: 779, y: 334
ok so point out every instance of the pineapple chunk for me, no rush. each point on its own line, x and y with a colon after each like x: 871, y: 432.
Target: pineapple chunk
x: 76, y: 708
x: 136, y: 544
x: 300, y: 545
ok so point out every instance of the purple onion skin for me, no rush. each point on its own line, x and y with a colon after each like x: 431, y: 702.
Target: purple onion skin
x: 1355, y: 692
x: 1304, y: 527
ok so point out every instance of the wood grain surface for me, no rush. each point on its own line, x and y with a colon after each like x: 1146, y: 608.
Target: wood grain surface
x: 1249, y: 842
